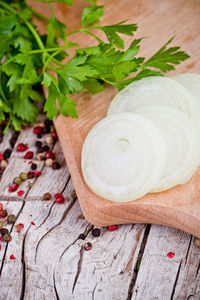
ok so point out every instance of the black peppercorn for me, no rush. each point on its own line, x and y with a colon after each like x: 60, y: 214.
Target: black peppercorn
x: 4, y: 231
x: 3, y: 213
x: 96, y: 232
x: 40, y: 150
x: 38, y: 144
x: 13, y: 141
x: 46, y: 130
x: 39, y: 135
x: 56, y: 165
x: 45, y: 148
x: 33, y: 167
x: 48, y: 123
x: 81, y: 236
x: 30, y: 175
x: 7, y: 153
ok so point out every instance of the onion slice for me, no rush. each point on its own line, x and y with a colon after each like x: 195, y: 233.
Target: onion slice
x: 182, y: 145
x: 123, y: 157
x: 155, y: 91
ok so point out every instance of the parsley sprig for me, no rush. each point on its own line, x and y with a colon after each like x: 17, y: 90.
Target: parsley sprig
x: 29, y: 58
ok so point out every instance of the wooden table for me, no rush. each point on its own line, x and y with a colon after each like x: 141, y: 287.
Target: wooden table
x: 51, y: 262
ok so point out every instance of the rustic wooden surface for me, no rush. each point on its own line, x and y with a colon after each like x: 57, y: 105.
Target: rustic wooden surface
x: 51, y: 262
x: 178, y: 207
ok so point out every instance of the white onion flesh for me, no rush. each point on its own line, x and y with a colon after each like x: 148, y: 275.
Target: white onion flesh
x: 153, y: 91
x: 182, y: 145
x: 123, y: 157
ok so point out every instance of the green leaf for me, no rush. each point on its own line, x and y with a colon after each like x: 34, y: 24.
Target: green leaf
x: 16, y: 123
x: 23, y: 44
x: 69, y: 84
x: 48, y: 79
x: 14, y: 71
x: 89, y: 51
x: 91, y: 15
x: 93, y: 86
x: 67, y: 106
x: 50, y: 105
x: 92, y: 2
x: 164, y: 59
x: 121, y: 70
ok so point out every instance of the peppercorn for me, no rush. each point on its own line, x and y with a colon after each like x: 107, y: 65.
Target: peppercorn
x: 37, y: 130
x: 1, y: 225
x: 96, y: 232
x: 3, y: 213
x: 54, y: 135
x: 46, y: 130
x: 7, y: 153
x: 28, y: 155
x: 4, y: 231
x: 39, y: 135
x: 87, y: 246
x: 13, y: 187
x: 7, y: 238
x: 21, y: 147
x: 15, y: 134
x: 56, y: 165
x: 47, y: 196
x: 49, y: 162
x: 33, y: 167
x: 30, y: 174
x: 2, y: 170
x: 13, y: 141
x: 48, y: 122
x: 23, y: 176
x: 40, y: 150
x: 11, y: 219
x: 17, y: 180
x: 73, y: 195
x: 38, y: 144
x: 3, y: 163
x: 49, y: 140
x: 41, y: 156
x: 81, y: 236
x: 50, y: 154
x: 45, y: 148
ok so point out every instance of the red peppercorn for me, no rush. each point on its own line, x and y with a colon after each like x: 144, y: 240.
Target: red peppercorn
x: 112, y: 227
x: 37, y: 130
x: 54, y: 135
x: 3, y: 213
x: 87, y: 246
x: 170, y: 254
x: 36, y: 173
x: 19, y: 227
x: 1, y: 206
x: 12, y: 257
x: 13, y: 187
x: 60, y: 200
x: 28, y: 155
x: 57, y: 195
x: 20, y: 193
x: 30, y: 174
x: 50, y: 154
x: 1, y: 156
x: 22, y: 147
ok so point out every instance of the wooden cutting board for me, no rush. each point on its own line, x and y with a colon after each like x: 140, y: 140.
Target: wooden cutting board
x: 158, y: 20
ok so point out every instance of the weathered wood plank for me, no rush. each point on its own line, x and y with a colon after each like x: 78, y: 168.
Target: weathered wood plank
x: 159, y: 275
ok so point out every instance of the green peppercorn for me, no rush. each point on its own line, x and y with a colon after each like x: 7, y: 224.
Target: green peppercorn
x: 11, y: 219
x: 73, y: 194
x: 17, y: 180
x: 52, y: 128
x: 47, y: 196
x: 1, y: 225
x: 7, y: 238
x: 23, y: 176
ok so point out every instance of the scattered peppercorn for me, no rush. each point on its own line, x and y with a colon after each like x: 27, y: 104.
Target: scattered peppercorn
x: 41, y: 156
x: 13, y: 141
x: 96, y: 232
x: 3, y: 213
x: 12, y: 257
x: 81, y: 236
x: 36, y: 173
x: 45, y: 148
x: 6, y: 237
x: 50, y: 154
x: 73, y: 195
x: 28, y: 155
x: 1, y: 156
x: 19, y: 227
x: 40, y: 150
x: 49, y: 162
x: 37, y: 130
x: 13, y: 187
x: 21, y: 147
x: 7, y: 153
x: 11, y: 219
x: 3, y: 163
x: 54, y: 135
x: 45, y: 130
x: 56, y: 165
x: 23, y: 176
x: 39, y: 135
x: 33, y: 167
x: 49, y: 140
x: 4, y: 231
x: 30, y: 174
x: 17, y: 180
x: 47, y: 196
x: 38, y: 144
x: 48, y: 122
x: 88, y: 246
x: 1, y: 225
x: 112, y: 227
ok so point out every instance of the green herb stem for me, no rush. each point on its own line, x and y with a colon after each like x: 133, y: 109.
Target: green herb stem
x: 8, y: 7
x: 40, y: 16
